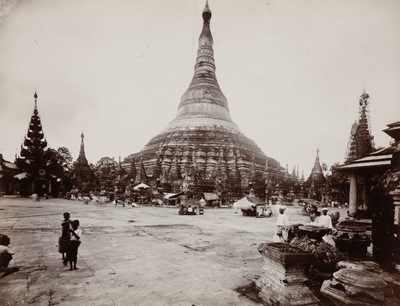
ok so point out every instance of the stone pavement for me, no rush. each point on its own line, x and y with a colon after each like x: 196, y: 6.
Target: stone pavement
x: 132, y: 256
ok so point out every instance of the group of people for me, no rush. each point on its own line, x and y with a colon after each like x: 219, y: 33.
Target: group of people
x: 69, y: 241
x: 282, y: 221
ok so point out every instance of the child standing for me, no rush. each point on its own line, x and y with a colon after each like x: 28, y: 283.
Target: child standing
x: 72, y: 253
x: 63, y: 241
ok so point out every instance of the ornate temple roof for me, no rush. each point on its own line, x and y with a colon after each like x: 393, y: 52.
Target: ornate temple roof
x: 34, y: 143
x: 393, y: 130
x: 379, y: 159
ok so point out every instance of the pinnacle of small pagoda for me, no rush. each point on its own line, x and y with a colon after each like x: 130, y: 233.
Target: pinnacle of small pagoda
x: 361, y: 141
x: 202, y: 141
x: 317, y: 176
x: 82, y: 157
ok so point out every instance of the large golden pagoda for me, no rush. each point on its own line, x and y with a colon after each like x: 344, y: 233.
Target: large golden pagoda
x: 202, y: 147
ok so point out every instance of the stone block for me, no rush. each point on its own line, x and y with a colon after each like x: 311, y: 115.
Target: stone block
x: 283, y: 282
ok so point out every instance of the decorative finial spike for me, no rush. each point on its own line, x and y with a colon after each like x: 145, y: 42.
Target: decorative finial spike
x: 206, y: 13
x: 35, y: 96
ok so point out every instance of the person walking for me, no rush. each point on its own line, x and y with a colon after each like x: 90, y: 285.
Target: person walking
x: 63, y: 241
x: 72, y: 253
x: 281, y: 222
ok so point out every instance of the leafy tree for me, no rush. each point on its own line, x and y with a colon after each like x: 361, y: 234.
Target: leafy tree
x: 58, y: 165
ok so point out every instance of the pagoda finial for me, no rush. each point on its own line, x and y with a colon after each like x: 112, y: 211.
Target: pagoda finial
x: 207, y: 13
x: 82, y: 151
x: 206, y: 38
x: 35, y: 96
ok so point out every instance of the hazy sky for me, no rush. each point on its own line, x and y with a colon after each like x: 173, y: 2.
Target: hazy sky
x: 292, y: 71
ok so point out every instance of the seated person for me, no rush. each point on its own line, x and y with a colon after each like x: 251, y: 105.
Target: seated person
x: 313, y: 220
x: 5, y: 256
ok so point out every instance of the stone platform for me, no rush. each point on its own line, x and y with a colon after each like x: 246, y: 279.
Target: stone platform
x: 132, y: 256
x: 283, y: 282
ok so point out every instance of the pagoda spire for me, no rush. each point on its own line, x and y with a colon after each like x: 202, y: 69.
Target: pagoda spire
x: 82, y: 158
x: 361, y: 141
x: 205, y: 54
x: 317, y: 165
x: 35, y: 96
x: 203, y: 102
x: 82, y: 175
x: 317, y: 176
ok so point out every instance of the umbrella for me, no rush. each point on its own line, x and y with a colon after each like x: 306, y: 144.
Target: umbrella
x: 141, y: 186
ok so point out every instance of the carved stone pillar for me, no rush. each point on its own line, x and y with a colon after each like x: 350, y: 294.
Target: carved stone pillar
x: 365, y: 194
x: 396, y: 201
x: 353, y: 195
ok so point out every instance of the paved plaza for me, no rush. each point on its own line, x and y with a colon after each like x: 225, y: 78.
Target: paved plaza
x: 132, y: 256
